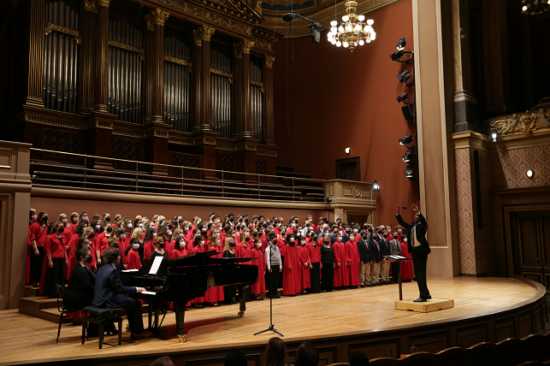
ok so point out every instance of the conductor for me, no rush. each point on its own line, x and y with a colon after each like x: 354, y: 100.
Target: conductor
x: 419, y: 247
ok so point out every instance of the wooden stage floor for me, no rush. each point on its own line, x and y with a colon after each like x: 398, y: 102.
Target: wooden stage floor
x: 25, y: 339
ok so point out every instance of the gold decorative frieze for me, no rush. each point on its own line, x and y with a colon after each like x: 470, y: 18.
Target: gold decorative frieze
x: 105, y: 124
x: 104, y: 3
x: 244, y: 46
x: 178, y: 61
x: 222, y: 73
x: 175, y: 138
x: 521, y: 122
x: 90, y: 5
x: 125, y: 129
x: 269, y: 60
x: 156, y: 17
x: 263, y: 44
x: 269, y: 153
x: 225, y: 145
x: 257, y: 83
x: 258, y: 7
x: 59, y: 28
x: 203, y: 33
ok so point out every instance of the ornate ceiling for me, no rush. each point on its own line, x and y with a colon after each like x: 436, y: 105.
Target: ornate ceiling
x: 321, y: 11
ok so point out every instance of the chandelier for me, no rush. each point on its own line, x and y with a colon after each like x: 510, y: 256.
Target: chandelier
x: 535, y: 7
x: 353, y: 31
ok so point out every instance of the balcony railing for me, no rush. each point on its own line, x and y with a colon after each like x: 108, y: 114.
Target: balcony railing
x: 47, y: 169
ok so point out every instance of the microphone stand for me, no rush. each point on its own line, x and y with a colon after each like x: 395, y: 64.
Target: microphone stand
x: 271, y: 326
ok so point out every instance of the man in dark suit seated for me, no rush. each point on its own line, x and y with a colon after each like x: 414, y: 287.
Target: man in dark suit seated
x: 419, y: 247
x: 109, y: 292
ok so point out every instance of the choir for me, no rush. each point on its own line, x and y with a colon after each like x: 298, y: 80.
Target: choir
x: 304, y: 258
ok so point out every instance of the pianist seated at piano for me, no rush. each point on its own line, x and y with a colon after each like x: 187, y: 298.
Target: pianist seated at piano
x: 159, y: 248
x: 109, y: 293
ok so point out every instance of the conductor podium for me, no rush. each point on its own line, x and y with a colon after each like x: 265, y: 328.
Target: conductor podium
x: 422, y: 307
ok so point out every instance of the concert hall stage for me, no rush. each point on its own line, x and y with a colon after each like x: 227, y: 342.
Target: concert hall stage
x: 338, y: 323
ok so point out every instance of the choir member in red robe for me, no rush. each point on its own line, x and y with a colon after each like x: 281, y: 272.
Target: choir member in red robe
x: 56, y: 257
x: 340, y: 280
x: 257, y: 252
x: 36, y: 243
x: 148, y: 246
x: 198, y: 247
x: 215, y: 294
x: 132, y: 257
x: 291, y: 286
x: 407, y: 272
x: 180, y: 250
x: 305, y: 265
x: 315, y: 258
x: 352, y: 261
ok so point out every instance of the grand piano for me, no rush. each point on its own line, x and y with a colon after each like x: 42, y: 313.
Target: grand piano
x: 183, y: 279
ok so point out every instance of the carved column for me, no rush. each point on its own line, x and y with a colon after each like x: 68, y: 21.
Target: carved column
x: 201, y: 71
x: 205, y: 138
x: 102, y: 56
x: 237, y: 90
x: 35, y: 52
x: 269, y: 124
x: 465, y: 104
x: 86, y: 59
x: 157, y: 131
x: 244, y: 124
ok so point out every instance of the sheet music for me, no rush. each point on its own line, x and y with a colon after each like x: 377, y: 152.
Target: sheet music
x: 149, y: 293
x: 130, y: 270
x: 156, y: 265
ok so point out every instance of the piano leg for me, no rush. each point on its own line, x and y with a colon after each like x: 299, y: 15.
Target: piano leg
x: 244, y: 294
x: 180, y: 317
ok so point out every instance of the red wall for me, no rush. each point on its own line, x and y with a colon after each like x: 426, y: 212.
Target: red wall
x: 327, y: 98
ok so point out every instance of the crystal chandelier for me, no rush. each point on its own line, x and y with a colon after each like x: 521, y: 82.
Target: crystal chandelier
x: 535, y: 7
x: 353, y: 31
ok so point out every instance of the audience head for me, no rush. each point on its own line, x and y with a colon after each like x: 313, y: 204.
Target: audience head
x: 83, y: 254
x: 358, y: 359
x: 276, y: 353
x: 306, y: 355
x: 162, y: 361
x: 236, y: 358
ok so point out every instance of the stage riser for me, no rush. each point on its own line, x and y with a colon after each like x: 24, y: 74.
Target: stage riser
x: 513, y: 323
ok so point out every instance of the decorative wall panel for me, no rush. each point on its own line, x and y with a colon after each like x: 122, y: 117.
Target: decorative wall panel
x: 60, y: 141
x: 186, y: 160
x: 61, y: 56
x: 261, y: 166
x: 126, y: 150
x: 225, y: 162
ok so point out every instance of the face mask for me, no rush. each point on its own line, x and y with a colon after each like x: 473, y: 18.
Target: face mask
x: 203, y: 229
x: 291, y: 239
x: 122, y: 236
x: 279, y: 225
x: 64, y: 220
x: 109, y: 229
x: 232, y: 219
x: 352, y: 237
x: 326, y: 241
x: 84, y: 218
x: 187, y: 228
x: 140, y: 225
x: 180, y: 221
x: 135, y: 246
x: 217, y: 220
x: 130, y: 226
x: 399, y: 230
x: 107, y: 218
x: 303, y: 242
x: 326, y: 234
x: 339, y: 238
x: 89, y: 259
x: 180, y: 235
x: 169, y: 232
x: 182, y: 244
x: 44, y: 218
x: 161, y: 245
x: 233, y: 235
x: 364, y: 238
x: 293, y: 225
x: 405, y: 240
x: 217, y: 241
x: 385, y: 235
x: 75, y: 219
x: 247, y: 239
x: 232, y: 244
x: 91, y: 236
x: 258, y: 244
x: 61, y: 230
x: 202, y: 242
x: 97, y: 227
x: 355, y: 230
x: 154, y: 234
x: 34, y: 217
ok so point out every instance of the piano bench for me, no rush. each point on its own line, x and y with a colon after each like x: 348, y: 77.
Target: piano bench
x: 102, y: 316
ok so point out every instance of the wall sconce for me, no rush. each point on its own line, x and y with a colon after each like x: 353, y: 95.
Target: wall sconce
x: 347, y: 150
x: 494, y: 134
x: 375, y: 187
x: 530, y: 174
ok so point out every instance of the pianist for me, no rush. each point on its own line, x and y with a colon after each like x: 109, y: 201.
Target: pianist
x: 109, y: 293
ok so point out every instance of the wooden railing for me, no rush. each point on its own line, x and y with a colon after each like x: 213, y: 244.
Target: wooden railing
x: 97, y: 172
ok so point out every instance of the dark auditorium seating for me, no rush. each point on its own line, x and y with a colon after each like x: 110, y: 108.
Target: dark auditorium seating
x: 483, y: 354
x: 419, y: 359
x: 454, y: 356
x: 509, y: 352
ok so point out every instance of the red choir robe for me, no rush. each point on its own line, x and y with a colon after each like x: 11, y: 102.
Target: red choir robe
x: 92, y: 253
x: 340, y: 280
x: 148, y: 248
x: 178, y: 253
x: 170, y: 247
x: 35, y: 230
x: 407, y: 272
x: 291, y: 286
x: 133, y: 260
x: 259, y: 287
x: 303, y: 255
x: 264, y: 242
x: 188, y: 236
x: 57, y: 250
x: 352, y: 265
x: 71, y: 256
x: 214, y: 294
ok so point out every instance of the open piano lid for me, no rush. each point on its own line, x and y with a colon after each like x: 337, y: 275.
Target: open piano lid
x: 204, y: 259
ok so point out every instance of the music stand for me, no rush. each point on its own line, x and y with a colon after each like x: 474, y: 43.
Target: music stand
x: 271, y: 326
x: 399, y: 259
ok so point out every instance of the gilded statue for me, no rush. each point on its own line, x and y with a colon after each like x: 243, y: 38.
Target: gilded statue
x: 526, y: 122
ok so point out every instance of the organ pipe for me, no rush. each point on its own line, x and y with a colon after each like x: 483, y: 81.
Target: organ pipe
x: 256, y: 98
x: 176, y: 81
x: 220, y: 59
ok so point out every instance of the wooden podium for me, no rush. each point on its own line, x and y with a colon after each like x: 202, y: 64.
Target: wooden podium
x: 422, y: 307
